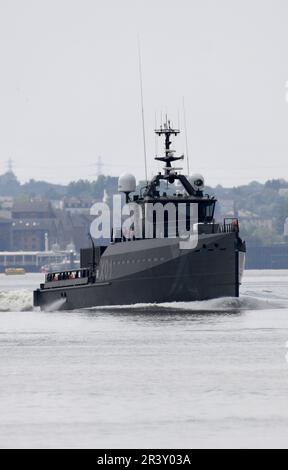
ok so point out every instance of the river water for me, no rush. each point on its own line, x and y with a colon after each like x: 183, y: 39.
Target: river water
x: 186, y: 375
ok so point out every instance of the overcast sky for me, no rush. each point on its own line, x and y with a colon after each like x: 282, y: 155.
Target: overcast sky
x: 69, y: 86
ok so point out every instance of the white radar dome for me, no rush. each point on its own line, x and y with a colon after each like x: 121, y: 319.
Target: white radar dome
x: 126, y: 183
x: 197, y: 182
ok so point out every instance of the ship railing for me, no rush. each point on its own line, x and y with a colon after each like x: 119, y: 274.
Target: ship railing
x: 72, y: 274
x: 229, y: 225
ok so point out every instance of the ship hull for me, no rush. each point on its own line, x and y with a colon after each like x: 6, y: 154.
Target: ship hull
x: 155, y: 271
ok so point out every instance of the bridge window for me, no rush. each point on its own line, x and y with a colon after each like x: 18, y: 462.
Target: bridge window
x: 206, y: 211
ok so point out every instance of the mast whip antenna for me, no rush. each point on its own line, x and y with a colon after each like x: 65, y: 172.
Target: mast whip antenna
x: 186, y: 137
x: 142, y: 110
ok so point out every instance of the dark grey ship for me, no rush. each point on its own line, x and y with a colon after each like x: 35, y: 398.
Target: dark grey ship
x: 153, y: 269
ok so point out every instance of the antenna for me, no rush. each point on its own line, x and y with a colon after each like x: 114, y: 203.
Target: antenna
x: 186, y: 138
x: 142, y: 109
x: 156, y: 140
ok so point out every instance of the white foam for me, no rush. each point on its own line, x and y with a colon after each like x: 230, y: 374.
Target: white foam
x: 54, y: 306
x: 22, y: 300
x: 16, y: 300
x: 225, y: 304
x: 222, y: 304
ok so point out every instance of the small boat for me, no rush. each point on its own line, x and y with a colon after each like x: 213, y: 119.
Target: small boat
x: 14, y: 271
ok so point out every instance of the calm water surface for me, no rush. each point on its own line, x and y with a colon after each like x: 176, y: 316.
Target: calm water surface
x: 199, y: 374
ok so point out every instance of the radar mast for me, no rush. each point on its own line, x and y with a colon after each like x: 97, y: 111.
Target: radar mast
x: 169, y: 157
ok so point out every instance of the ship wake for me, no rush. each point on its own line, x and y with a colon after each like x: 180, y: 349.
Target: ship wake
x: 20, y: 300
x: 226, y: 304
x: 222, y: 304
